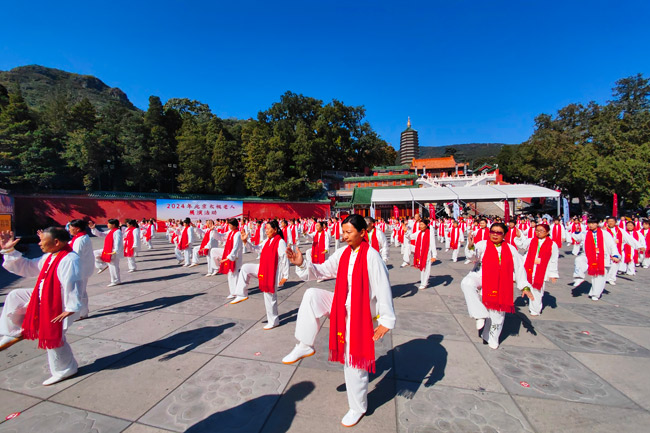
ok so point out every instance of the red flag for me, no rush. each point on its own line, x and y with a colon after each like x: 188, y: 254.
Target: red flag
x: 615, y: 206
x: 432, y: 211
x: 395, y: 212
x: 506, y: 210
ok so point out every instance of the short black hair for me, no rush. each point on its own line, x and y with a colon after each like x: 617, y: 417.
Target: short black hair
x: 502, y: 225
x: 357, y: 221
x: 80, y: 224
x: 114, y: 221
x: 234, y: 222
x: 58, y: 233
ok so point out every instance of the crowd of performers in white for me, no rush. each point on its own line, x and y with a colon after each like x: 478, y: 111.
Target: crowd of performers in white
x: 523, y: 251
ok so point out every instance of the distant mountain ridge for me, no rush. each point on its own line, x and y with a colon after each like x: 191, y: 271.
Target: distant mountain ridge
x: 39, y: 83
x: 468, y: 152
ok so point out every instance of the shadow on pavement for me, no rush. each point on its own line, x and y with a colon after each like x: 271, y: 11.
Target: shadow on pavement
x: 153, y: 305
x: 249, y: 416
x: 513, y: 323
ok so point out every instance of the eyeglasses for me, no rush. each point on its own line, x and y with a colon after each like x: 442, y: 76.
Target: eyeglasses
x: 499, y: 233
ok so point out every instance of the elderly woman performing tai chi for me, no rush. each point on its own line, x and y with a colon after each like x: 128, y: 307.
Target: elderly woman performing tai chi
x: 360, y: 310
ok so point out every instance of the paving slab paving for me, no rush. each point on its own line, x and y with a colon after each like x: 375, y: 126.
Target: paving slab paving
x: 165, y: 352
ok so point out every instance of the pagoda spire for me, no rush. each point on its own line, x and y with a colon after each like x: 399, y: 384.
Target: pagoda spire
x: 408, y: 122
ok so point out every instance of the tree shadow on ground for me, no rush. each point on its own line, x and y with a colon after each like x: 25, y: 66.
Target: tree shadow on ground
x: 251, y: 415
x: 146, y: 306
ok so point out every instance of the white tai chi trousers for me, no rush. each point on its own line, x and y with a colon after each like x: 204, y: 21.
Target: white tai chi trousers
x: 213, y: 266
x: 270, y: 299
x: 454, y: 255
x: 317, y: 304
x: 148, y: 243
x: 471, y: 287
x: 576, y: 249
x: 645, y: 259
x: 183, y: 255
x: 113, y: 265
x: 83, y: 297
x: 597, y: 281
x: 61, y: 359
x: 130, y: 261
x: 425, y: 274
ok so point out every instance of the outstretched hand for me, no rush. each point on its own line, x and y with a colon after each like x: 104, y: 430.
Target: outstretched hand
x: 7, y: 240
x: 91, y: 224
x: 244, y: 236
x: 295, y: 257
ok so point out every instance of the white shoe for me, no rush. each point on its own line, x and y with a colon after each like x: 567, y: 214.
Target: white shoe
x: 480, y: 323
x: 6, y: 341
x: 467, y: 262
x: 493, y: 345
x: 319, y: 281
x: 577, y: 282
x: 186, y: 266
x: 269, y: 326
x: 238, y: 299
x: 594, y: 298
x: 56, y: 379
x: 230, y: 296
x: 403, y: 265
x: 613, y: 283
x: 447, y: 250
x: 131, y: 270
x: 209, y: 274
x: 214, y: 273
x: 102, y: 269
x: 532, y: 313
x: 113, y: 284
x: 192, y: 265
x: 422, y: 287
x: 351, y: 418
x: 299, y: 352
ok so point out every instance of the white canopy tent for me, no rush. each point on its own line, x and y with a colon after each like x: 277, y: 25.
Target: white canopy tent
x: 464, y: 193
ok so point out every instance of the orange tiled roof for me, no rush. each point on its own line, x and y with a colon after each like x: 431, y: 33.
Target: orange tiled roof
x: 432, y: 163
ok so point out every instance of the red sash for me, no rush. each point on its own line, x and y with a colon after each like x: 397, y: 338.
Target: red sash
x: 422, y: 250
x: 42, y: 309
x: 628, y: 249
x: 147, y: 232
x: 400, y: 234
x: 227, y: 266
x: 203, y: 249
x: 256, y: 237
x: 318, y: 248
x: 108, y: 247
x: 361, y: 351
x: 647, y: 243
x: 544, y: 258
x: 77, y: 236
x: 618, y: 238
x: 184, y: 243
x: 595, y: 254
x: 497, y: 278
x: 482, y: 235
x: 373, y: 241
x: 128, y: 243
x: 556, y: 235
x: 455, y: 237
x: 510, y: 237
x: 269, y: 265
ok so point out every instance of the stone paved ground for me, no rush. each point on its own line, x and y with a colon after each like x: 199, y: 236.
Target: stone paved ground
x: 164, y: 352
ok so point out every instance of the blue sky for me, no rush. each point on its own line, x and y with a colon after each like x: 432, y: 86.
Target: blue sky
x: 464, y: 71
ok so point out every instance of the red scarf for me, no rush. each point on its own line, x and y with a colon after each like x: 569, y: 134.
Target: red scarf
x: 77, y: 236
x: 362, y: 348
x: 556, y: 235
x: 510, y: 236
x: 647, y: 243
x: 531, y: 232
x: 227, y: 266
x: 147, y: 233
x: 269, y: 265
x: 618, y: 238
x: 203, y: 249
x: 595, y: 253
x: 497, y: 278
x: 482, y: 235
x: 455, y: 237
x: 128, y: 243
x: 256, y: 237
x: 42, y: 309
x: 293, y: 232
x: 184, y: 239
x: 541, y: 260
x: 628, y: 249
x: 422, y: 250
x: 108, y: 247
x: 318, y: 248
x: 373, y: 242
x: 400, y: 234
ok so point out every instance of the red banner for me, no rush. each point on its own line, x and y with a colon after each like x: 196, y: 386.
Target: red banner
x: 506, y: 210
x: 615, y: 206
x: 432, y: 211
x: 395, y: 212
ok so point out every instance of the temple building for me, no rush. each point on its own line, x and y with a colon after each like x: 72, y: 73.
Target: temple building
x: 409, y: 146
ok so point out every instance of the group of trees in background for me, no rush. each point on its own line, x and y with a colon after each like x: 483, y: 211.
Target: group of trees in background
x: 590, y: 151
x: 182, y: 146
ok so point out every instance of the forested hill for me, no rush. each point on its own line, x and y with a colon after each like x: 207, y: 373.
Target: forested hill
x: 39, y: 84
x: 475, y: 153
